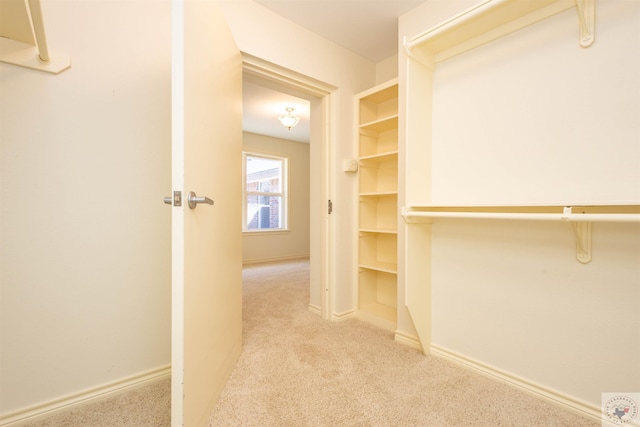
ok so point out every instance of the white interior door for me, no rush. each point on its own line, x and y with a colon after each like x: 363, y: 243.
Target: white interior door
x: 206, y: 240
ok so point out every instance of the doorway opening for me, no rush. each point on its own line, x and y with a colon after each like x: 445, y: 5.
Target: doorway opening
x: 321, y: 99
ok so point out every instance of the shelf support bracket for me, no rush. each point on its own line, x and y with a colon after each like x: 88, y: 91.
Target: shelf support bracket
x: 587, y: 16
x: 582, y: 232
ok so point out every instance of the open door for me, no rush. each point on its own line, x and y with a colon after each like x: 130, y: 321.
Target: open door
x: 206, y: 238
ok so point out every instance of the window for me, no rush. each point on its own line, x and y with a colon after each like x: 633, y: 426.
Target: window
x: 264, y: 193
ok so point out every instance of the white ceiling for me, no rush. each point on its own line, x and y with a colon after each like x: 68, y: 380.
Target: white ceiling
x: 261, y: 107
x: 366, y: 27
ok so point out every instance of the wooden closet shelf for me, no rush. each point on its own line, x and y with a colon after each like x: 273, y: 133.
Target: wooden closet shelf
x: 580, y: 219
x: 590, y: 212
x: 490, y: 20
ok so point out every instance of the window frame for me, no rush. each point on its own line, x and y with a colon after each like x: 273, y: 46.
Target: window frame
x: 283, y: 194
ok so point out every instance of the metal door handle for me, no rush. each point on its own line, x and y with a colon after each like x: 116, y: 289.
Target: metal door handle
x: 168, y: 200
x: 194, y: 200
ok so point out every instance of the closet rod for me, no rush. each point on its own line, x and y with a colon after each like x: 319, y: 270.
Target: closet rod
x: 566, y: 217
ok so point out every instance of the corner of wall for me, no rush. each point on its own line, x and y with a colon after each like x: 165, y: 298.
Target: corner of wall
x: 387, y: 69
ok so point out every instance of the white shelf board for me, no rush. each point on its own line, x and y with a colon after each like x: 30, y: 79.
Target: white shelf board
x: 25, y: 55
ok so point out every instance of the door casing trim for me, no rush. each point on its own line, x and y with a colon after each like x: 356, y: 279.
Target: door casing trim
x: 326, y: 93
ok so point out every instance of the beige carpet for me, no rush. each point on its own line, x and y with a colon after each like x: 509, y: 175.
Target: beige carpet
x: 148, y: 406
x: 298, y: 370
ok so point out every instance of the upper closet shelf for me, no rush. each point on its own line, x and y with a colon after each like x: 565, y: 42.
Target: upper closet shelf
x: 590, y: 212
x: 579, y: 216
x: 22, y: 38
x: 490, y: 20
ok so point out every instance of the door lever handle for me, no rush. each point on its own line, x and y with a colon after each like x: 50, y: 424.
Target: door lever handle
x: 193, y: 200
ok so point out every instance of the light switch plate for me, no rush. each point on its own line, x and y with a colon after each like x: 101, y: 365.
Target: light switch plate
x: 350, y: 165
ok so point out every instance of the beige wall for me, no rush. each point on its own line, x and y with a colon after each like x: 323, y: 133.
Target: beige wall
x: 264, y: 246
x: 85, y: 162
x: 534, y: 118
x: 387, y: 69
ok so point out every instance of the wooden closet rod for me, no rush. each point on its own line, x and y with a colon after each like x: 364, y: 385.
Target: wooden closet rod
x: 566, y: 216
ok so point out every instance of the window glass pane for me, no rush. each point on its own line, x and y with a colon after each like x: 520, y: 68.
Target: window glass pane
x: 264, y: 212
x: 264, y: 175
x: 265, y: 193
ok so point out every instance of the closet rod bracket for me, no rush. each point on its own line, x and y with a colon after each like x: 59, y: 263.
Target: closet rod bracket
x: 421, y: 57
x: 582, y: 232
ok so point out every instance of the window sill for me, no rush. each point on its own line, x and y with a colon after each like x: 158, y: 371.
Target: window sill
x: 263, y: 232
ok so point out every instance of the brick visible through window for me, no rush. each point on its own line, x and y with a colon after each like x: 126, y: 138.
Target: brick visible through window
x: 264, y: 188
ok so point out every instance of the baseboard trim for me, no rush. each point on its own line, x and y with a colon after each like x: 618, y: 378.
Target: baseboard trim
x: 408, y: 340
x: 315, y: 309
x: 574, y: 405
x: 96, y: 394
x: 339, y: 317
x: 274, y: 259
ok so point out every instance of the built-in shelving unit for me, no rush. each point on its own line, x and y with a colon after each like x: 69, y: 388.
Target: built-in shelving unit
x: 378, y: 204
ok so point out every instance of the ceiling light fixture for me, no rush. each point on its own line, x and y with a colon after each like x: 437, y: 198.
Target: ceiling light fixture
x: 289, y: 120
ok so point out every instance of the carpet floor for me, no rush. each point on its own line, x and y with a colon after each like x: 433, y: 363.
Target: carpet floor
x: 299, y: 370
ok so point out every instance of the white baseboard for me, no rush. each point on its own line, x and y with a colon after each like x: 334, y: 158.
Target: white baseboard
x: 339, y: 317
x: 336, y: 317
x: 567, y: 402
x: 274, y: 259
x: 315, y: 309
x: 93, y: 395
x: 409, y: 340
